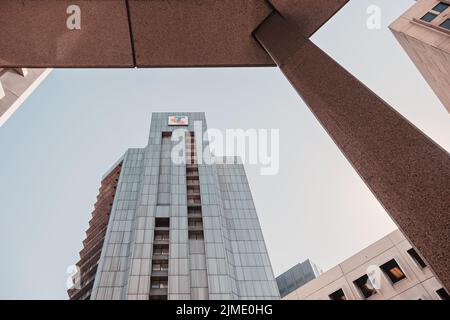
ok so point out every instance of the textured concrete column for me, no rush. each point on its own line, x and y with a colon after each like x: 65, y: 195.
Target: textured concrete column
x: 407, y: 172
x: 2, y: 91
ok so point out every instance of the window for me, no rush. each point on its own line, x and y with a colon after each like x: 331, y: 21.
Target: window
x: 192, y: 171
x: 192, y: 181
x: 428, y: 17
x: 161, y: 235
x: 155, y: 285
x: 364, y: 286
x: 195, y: 235
x: 161, y: 250
x: 194, y: 210
x: 413, y: 253
x: 161, y: 222
x: 438, y: 11
x: 195, y: 222
x: 193, y: 200
x: 156, y: 267
x: 445, y: 24
x: 443, y: 294
x: 159, y: 284
x: 441, y: 7
x: 338, y: 295
x: 393, y: 271
x: 160, y: 266
x: 193, y: 189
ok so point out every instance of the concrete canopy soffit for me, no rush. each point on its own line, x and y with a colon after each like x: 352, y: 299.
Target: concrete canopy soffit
x: 146, y: 33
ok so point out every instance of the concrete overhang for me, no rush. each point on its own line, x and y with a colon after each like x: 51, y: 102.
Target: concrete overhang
x: 147, y: 33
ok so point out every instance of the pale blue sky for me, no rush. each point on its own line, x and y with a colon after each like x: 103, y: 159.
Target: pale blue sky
x: 56, y: 147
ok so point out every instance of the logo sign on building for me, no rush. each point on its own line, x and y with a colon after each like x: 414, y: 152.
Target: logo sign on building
x: 178, y: 121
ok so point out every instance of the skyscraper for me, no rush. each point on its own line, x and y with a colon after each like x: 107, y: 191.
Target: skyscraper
x: 16, y: 84
x: 424, y: 33
x: 169, y: 229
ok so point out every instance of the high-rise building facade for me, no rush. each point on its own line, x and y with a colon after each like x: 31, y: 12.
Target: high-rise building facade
x: 95, y: 235
x: 16, y: 84
x: 297, y: 276
x: 389, y: 269
x: 424, y: 33
x: 166, y: 229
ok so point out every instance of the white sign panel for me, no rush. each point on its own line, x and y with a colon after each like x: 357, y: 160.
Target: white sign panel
x: 178, y: 121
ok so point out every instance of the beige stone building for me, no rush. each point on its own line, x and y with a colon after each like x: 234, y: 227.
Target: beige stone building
x: 16, y: 84
x: 389, y: 269
x: 424, y: 33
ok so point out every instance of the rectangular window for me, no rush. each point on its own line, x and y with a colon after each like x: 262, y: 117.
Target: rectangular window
x: 160, y: 266
x: 364, y: 286
x: 193, y: 189
x: 161, y: 235
x: 156, y: 266
x: 443, y: 294
x: 393, y: 271
x: 192, y: 181
x: 162, y: 222
x: 428, y: 17
x: 193, y: 170
x: 194, y: 210
x: 195, y: 235
x: 445, y: 24
x: 195, y: 222
x: 441, y: 7
x: 338, y: 295
x: 161, y: 250
x: 413, y: 253
x: 193, y: 200
x: 159, y: 284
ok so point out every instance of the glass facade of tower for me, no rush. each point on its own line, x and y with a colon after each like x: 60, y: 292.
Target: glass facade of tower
x: 184, y: 230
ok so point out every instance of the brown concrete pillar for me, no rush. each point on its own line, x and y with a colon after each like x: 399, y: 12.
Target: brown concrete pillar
x: 407, y: 172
